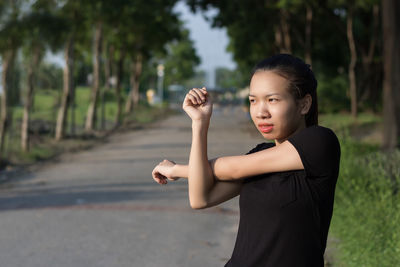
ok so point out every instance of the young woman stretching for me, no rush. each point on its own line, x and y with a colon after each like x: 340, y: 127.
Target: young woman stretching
x: 287, y: 187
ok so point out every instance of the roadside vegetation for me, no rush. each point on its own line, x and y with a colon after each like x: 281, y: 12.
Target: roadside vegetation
x: 43, y: 123
x: 365, y: 224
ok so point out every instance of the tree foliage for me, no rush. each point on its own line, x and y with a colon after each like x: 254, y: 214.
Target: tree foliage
x: 181, y: 60
x: 258, y: 29
x: 114, y: 40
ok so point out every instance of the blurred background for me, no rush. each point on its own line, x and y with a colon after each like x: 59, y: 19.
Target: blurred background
x: 73, y: 71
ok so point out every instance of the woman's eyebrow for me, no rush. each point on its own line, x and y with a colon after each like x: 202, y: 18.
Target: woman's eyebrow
x: 266, y: 95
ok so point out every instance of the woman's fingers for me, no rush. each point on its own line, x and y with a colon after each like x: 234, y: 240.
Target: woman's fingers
x: 200, y: 92
x: 198, y: 96
x: 158, y: 177
x: 192, y: 98
x: 161, y: 173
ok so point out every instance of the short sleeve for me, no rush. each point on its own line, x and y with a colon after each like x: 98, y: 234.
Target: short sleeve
x: 260, y: 147
x: 319, y: 150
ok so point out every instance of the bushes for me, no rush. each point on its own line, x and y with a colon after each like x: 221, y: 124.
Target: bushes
x: 366, y: 216
x: 332, y: 94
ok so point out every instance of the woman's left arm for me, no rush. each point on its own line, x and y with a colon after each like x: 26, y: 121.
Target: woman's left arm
x: 279, y: 158
x: 283, y: 157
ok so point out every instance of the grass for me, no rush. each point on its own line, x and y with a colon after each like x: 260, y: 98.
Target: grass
x: 46, y: 104
x: 366, y: 217
x: 367, y: 206
x: 342, y: 121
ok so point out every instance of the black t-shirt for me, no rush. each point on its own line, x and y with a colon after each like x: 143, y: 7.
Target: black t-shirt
x: 285, y: 216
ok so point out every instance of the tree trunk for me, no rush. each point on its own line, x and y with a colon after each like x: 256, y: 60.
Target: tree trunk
x: 29, y: 99
x: 278, y: 38
x: 137, y: 74
x: 391, y: 67
x: 8, y: 149
x: 353, y: 61
x: 136, y: 71
x: 282, y: 33
x: 120, y: 70
x: 309, y: 16
x: 67, y: 88
x: 367, y: 83
x: 285, y: 31
x: 8, y: 59
x: 71, y: 99
x: 129, y: 104
x: 108, y: 67
x: 109, y: 50
x: 91, y: 113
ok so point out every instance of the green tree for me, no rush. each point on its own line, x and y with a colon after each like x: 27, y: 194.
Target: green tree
x: 49, y: 76
x: 72, y: 37
x: 97, y: 15
x: 116, y: 57
x: 155, y: 25
x: 226, y: 78
x: 330, y: 34
x: 181, y: 60
x: 10, y: 41
x: 39, y: 33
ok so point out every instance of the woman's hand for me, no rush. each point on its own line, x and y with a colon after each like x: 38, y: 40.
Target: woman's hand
x: 164, y: 171
x: 198, y: 104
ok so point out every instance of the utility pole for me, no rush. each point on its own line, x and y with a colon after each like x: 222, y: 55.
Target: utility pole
x: 160, y: 81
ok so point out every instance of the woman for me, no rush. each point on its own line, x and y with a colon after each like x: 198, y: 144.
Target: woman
x: 287, y: 187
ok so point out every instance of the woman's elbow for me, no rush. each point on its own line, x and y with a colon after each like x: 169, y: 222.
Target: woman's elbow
x: 233, y: 174
x: 198, y: 205
x: 226, y: 169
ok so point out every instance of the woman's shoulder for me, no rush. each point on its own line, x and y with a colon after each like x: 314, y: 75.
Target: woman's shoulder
x: 319, y: 128
x: 315, y: 134
x: 319, y: 150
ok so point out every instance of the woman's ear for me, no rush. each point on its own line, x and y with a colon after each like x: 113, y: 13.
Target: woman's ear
x: 305, y: 104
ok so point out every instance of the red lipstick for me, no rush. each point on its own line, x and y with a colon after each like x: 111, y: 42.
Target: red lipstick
x: 265, y: 127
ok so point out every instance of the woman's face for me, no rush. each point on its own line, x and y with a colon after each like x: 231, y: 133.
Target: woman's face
x: 272, y: 108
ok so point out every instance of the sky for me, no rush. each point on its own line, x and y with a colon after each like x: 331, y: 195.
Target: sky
x: 210, y: 43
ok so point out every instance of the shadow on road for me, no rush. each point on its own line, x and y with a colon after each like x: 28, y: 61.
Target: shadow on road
x: 29, y: 197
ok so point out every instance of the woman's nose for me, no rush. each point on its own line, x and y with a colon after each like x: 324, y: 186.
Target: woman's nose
x: 263, y: 112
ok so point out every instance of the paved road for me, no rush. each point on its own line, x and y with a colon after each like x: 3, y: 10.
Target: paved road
x: 101, y: 207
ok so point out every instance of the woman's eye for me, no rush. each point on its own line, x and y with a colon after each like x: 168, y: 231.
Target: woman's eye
x: 273, y: 100
x: 252, y: 100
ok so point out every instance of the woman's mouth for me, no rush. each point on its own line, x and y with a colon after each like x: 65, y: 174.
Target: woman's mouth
x: 265, y: 128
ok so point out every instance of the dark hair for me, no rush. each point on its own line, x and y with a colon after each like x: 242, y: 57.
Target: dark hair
x: 300, y: 77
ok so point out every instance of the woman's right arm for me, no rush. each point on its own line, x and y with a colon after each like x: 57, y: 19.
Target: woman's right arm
x: 204, y: 190
x: 220, y: 192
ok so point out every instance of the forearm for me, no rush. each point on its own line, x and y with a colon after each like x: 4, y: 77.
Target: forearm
x: 220, y: 168
x: 200, y: 176
x: 180, y: 171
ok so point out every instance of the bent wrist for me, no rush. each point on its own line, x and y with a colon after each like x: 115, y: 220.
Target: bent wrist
x: 180, y: 171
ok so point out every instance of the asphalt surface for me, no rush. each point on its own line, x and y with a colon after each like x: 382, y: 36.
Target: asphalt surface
x: 101, y: 207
